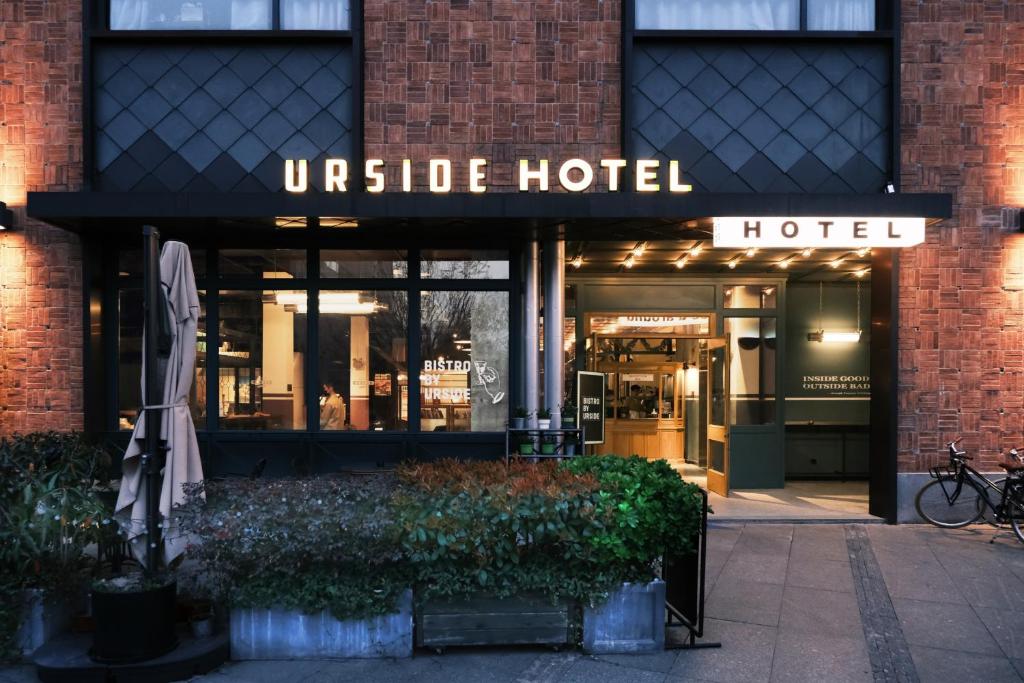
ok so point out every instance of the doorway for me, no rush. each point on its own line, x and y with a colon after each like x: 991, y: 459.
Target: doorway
x: 666, y: 391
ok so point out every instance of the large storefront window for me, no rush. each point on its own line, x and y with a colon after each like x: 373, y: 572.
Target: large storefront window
x: 262, y: 360
x: 465, y: 356
x: 464, y: 264
x: 756, y: 15
x: 752, y: 372
x: 364, y: 381
x: 129, y: 352
x: 360, y: 263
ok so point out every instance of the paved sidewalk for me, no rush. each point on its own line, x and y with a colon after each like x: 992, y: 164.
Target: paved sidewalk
x: 788, y: 603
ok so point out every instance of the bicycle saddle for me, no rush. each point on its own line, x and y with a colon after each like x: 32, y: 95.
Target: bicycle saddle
x: 1011, y: 465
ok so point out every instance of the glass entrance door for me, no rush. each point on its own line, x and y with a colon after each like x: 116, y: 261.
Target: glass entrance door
x: 716, y: 359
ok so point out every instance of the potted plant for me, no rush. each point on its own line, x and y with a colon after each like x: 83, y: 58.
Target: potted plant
x: 569, y: 415
x: 544, y: 418
x: 135, y: 616
x: 51, y: 510
x: 526, y: 446
x: 309, y: 568
x: 548, y: 444
x: 569, y: 445
x: 519, y: 417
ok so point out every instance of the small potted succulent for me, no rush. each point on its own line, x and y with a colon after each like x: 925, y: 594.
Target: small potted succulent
x: 519, y: 417
x: 544, y: 418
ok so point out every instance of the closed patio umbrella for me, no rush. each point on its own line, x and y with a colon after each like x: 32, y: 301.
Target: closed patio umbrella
x: 175, y: 370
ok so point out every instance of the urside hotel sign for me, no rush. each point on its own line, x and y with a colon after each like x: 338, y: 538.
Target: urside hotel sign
x: 573, y: 175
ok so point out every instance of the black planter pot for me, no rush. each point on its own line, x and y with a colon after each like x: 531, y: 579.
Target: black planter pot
x: 134, y: 626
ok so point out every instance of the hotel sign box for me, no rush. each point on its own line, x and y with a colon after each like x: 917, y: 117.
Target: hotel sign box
x: 774, y: 232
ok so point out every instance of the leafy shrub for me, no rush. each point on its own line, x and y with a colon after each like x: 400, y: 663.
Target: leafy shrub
x: 351, y: 545
x: 654, y: 512
x: 50, y: 510
x: 302, y: 544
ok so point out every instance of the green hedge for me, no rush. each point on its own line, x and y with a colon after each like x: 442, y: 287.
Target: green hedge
x: 450, y: 528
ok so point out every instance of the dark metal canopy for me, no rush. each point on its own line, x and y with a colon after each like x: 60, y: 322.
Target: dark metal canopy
x: 577, y: 216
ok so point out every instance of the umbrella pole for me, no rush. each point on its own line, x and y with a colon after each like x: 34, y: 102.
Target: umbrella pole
x: 151, y: 457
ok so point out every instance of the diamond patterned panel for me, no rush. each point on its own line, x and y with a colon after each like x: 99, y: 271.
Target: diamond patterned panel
x: 763, y: 116
x: 205, y: 118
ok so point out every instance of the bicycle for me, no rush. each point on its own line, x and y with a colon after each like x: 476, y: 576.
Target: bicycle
x: 960, y: 495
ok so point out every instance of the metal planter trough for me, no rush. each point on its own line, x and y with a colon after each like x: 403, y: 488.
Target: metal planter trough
x: 285, y: 634
x: 632, y: 619
x: 487, y: 620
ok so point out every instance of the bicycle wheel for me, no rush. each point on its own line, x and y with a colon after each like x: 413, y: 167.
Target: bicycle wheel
x: 934, y: 505
x: 1015, y: 511
x: 988, y: 515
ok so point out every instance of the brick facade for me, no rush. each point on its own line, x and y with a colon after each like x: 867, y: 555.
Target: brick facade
x: 961, y: 295
x: 40, y: 266
x: 496, y: 79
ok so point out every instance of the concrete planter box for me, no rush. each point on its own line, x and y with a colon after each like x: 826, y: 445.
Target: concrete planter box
x: 632, y: 619
x: 483, y: 619
x: 42, y: 619
x: 284, y: 634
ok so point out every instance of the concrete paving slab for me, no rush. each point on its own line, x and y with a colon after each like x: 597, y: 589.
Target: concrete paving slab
x: 814, y: 658
x: 1007, y: 627
x: 942, y: 666
x: 911, y: 574
x: 746, y: 601
x: 953, y: 627
x: 745, y: 655
x: 759, y: 567
x: 588, y: 670
x: 832, y: 575
x: 660, y: 662
x: 819, y: 612
x: 765, y: 539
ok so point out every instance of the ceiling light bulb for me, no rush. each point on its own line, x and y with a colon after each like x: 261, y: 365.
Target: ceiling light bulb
x: 807, y: 252
x: 629, y: 261
x: 681, y: 262
x: 751, y: 251
x: 638, y: 250
x: 784, y: 263
x: 577, y: 261
x: 863, y: 252
x: 695, y: 250
x: 838, y: 262
x: 732, y: 264
x: 860, y: 273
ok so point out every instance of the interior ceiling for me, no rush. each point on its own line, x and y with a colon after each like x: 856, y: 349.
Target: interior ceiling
x: 662, y: 257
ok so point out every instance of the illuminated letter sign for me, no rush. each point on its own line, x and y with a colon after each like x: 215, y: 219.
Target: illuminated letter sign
x: 784, y: 232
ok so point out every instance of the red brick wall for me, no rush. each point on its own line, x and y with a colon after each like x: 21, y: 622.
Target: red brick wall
x: 496, y: 79
x: 962, y: 294
x: 40, y: 266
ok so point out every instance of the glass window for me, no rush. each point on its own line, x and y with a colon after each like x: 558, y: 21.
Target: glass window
x: 190, y: 15
x: 464, y: 379
x: 315, y: 15
x: 464, y: 264
x: 749, y: 296
x: 726, y: 15
x: 654, y: 325
x: 752, y: 370
x: 382, y: 264
x: 267, y: 263
x: 129, y: 366
x: 129, y: 262
x: 262, y: 360
x: 841, y: 15
x: 364, y: 379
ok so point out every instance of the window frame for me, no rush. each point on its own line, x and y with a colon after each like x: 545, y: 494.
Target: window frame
x: 883, y: 26
x: 311, y: 242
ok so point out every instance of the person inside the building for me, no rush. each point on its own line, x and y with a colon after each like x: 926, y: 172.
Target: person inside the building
x: 332, y: 410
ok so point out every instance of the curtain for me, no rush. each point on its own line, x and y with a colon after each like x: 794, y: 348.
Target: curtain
x: 721, y: 15
x: 141, y: 15
x: 315, y: 15
x: 841, y: 15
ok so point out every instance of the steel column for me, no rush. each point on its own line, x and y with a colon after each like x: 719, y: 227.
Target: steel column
x: 531, y: 334
x: 554, y: 324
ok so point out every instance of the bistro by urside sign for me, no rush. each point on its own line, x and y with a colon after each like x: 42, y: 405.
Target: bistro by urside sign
x: 574, y: 175
x: 780, y: 232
